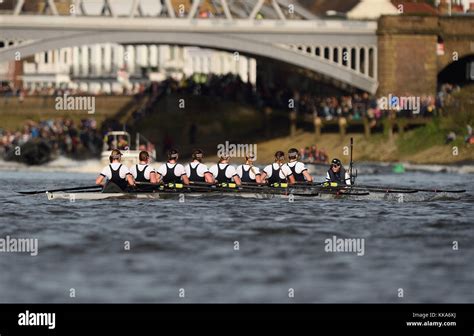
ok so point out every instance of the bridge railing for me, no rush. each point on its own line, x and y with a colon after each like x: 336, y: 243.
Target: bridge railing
x: 194, y: 9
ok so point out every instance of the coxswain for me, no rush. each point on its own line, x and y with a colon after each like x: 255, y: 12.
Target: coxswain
x: 223, y: 172
x: 337, y: 173
x: 248, y: 172
x: 172, y: 172
x: 278, y: 172
x: 196, y: 170
x: 298, y: 169
x: 143, y: 172
x: 118, y: 175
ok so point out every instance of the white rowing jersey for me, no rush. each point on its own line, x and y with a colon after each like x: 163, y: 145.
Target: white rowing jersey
x: 200, y: 170
x: 176, y: 168
x: 148, y: 170
x: 230, y: 172
x: 285, y: 171
x: 106, y: 172
x: 298, y: 167
x: 253, y: 171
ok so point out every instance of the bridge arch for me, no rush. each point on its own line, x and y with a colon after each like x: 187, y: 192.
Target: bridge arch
x: 458, y: 72
x: 227, y: 42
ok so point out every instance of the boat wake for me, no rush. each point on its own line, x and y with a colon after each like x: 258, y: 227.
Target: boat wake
x: 61, y: 164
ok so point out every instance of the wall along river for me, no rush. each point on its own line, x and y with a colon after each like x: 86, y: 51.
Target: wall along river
x: 237, y: 250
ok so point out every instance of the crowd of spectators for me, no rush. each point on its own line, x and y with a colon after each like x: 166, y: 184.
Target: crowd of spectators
x: 7, y: 91
x: 63, y: 135
x: 230, y: 87
x: 69, y: 138
x: 353, y: 106
x: 313, y: 155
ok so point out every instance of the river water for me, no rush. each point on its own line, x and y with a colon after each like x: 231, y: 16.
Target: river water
x: 244, y: 250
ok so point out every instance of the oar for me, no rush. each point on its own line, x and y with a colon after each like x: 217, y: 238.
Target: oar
x: 307, y: 184
x: 383, y: 190
x: 98, y: 187
x: 413, y: 189
x: 296, y: 185
x: 254, y: 184
x: 370, y: 189
x: 147, y: 186
x: 203, y: 186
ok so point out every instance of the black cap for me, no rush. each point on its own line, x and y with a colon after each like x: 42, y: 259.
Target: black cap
x: 336, y: 161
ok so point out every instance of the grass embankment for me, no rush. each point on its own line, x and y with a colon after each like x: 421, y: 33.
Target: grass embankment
x: 428, y: 144
x: 421, y: 145
x: 376, y: 148
x: 14, y: 113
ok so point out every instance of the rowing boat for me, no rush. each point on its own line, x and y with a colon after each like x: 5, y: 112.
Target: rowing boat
x: 399, y: 197
x: 183, y: 195
x: 300, y: 190
x: 365, y: 193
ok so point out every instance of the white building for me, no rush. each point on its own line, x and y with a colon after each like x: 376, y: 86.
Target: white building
x: 372, y: 10
x: 7, y: 69
x: 112, y: 67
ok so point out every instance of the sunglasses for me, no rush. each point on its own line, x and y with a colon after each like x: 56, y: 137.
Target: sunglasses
x: 336, y: 165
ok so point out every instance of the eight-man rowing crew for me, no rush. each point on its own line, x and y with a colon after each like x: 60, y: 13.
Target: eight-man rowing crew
x: 119, y: 177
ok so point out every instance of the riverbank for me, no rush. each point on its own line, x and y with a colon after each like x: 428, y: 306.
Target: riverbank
x: 377, y: 148
x: 14, y: 112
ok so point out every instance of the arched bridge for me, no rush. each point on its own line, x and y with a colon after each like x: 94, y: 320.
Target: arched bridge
x: 278, y: 29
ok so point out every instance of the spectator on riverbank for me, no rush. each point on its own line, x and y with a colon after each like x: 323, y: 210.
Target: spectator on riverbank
x: 450, y: 137
x: 62, y: 134
x: 311, y: 154
x: 469, y: 137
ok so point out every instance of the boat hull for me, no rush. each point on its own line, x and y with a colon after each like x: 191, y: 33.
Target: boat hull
x: 182, y: 196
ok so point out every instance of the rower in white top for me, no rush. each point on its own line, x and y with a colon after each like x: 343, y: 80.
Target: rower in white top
x: 225, y: 173
x: 247, y: 172
x: 298, y: 169
x: 196, y: 170
x: 118, y: 175
x: 278, y: 172
x: 143, y: 172
x: 172, y: 172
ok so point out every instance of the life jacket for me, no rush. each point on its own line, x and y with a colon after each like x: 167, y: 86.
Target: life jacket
x: 120, y: 182
x: 193, y: 175
x: 246, y: 175
x: 170, y: 177
x: 339, y: 177
x: 275, y: 177
x: 298, y: 177
x: 141, y: 175
x: 221, y: 177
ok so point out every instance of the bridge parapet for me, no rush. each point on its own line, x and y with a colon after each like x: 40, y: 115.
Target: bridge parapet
x: 229, y: 9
